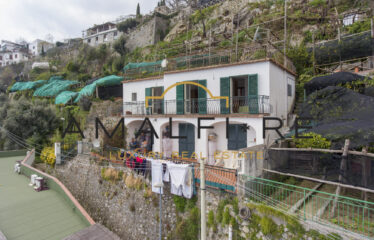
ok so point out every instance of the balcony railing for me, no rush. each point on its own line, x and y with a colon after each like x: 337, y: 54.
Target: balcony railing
x: 238, y: 105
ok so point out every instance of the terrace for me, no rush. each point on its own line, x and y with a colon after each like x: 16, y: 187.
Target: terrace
x: 27, y: 214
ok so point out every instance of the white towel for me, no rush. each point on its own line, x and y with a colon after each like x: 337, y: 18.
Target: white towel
x: 178, y: 174
x: 188, y: 186
x: 156, y: 176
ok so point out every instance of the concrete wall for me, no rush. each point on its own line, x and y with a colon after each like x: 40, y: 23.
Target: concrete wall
x: 147, y: 33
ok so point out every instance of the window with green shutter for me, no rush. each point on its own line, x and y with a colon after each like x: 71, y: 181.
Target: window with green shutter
x: 225, y: 92
x: 148, y: 93
x: 180, y: 99
x: 253, y: 93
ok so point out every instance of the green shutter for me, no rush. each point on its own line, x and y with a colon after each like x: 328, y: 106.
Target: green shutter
x: 180, y: 99
x: 253, y: 93
x: 202, y: 98
x: 225, y: 92
x: 148, y: 93
x: 162, y: 102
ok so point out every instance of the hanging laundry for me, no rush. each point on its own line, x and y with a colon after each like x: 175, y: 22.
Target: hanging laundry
x: 156, y: 176
x: 166, y: 177
x: 178, y: 174
x: 188, y: 186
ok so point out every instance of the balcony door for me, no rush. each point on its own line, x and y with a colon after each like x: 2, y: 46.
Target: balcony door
x: 155, y: 106
x: 239, y: 93
x: 191, y: 95
x: 187, y: 144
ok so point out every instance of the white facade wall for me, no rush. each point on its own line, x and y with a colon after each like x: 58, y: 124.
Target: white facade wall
x: 272, y: 82
x: 102, y: 37
x: 254, y: 134
x: 17, y: 57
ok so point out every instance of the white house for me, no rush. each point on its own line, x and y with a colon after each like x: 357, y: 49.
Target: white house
x: 254, y: 90
x: 12, y: 53
x: 38, y: 46
x: 100, y: 34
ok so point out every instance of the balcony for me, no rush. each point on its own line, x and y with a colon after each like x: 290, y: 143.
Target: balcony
x: 238, y: 105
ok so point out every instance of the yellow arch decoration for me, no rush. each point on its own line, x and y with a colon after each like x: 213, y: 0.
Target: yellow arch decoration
x: 185, y: 83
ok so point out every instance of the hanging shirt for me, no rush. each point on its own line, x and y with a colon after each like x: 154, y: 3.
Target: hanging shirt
x: 156, y: 176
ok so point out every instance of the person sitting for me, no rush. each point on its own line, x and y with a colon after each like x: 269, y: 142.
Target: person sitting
x: 133, y: 144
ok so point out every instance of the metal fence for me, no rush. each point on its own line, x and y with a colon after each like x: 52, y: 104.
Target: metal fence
x: 340, y: 211
x: 238, y: 105
x: 213, y: 56
x: 324, y: 164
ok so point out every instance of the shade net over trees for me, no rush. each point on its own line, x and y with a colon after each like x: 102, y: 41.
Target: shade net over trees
x: 23, y: 86
x: 350, y: 47
x: 334, y: 79
x: 65, y: 97
x: 54, y: 87
x: 339, y: 113
x: 107, y: 81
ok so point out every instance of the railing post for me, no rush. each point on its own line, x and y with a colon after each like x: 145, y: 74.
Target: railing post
x: 304, y: 207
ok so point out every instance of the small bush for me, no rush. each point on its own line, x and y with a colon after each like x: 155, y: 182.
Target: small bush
x: 226, y: 217
x: 314, y: 141
x: 267, y: 226
x: 48, y: 155
x: 85, y: 103
x: 210, y: 222
x: 180, y: 203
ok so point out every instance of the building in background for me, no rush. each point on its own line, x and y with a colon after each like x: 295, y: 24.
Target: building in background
x: 99, y: 34
x: 38, y: 46
x: 12, y: 53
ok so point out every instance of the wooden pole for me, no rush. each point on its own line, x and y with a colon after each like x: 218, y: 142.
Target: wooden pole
x: 314, y: 52
x: 285, y: 32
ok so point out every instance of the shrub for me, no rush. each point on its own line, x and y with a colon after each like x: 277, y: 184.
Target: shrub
x: 180, y: 203
x: 226, y: 217
x: 314, y: 141
x: 210, y: 221
x: 188, y: 229
x: 72, y: 67
x: 48, y: 155
x: 127, y: 25
x: 267, y: 226
x: 85, y: 103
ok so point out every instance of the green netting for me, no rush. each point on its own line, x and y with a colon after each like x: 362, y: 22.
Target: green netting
x: 65, y: 97
x: 142, y: 66
x: 54, y: 87
x: 22, y: 86
x: 86, y: 91
x: 109, y: 81
x: 104, y: 82
x: 53, y: 78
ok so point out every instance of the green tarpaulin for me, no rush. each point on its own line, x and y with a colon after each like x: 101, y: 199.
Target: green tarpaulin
x: 23, y: 86
x: 104, y: 82
x: 54, y: 87
x: 65, y: 97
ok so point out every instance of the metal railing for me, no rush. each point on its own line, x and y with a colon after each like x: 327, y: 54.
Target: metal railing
x: 346, y: 213
x: 215, y: 57
x: 238, y: 105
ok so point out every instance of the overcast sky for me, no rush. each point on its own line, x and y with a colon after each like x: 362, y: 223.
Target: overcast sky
x: 31, y: 19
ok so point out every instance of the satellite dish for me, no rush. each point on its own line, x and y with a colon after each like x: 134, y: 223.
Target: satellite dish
x: 164, y: 63
x: 96, y: 143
